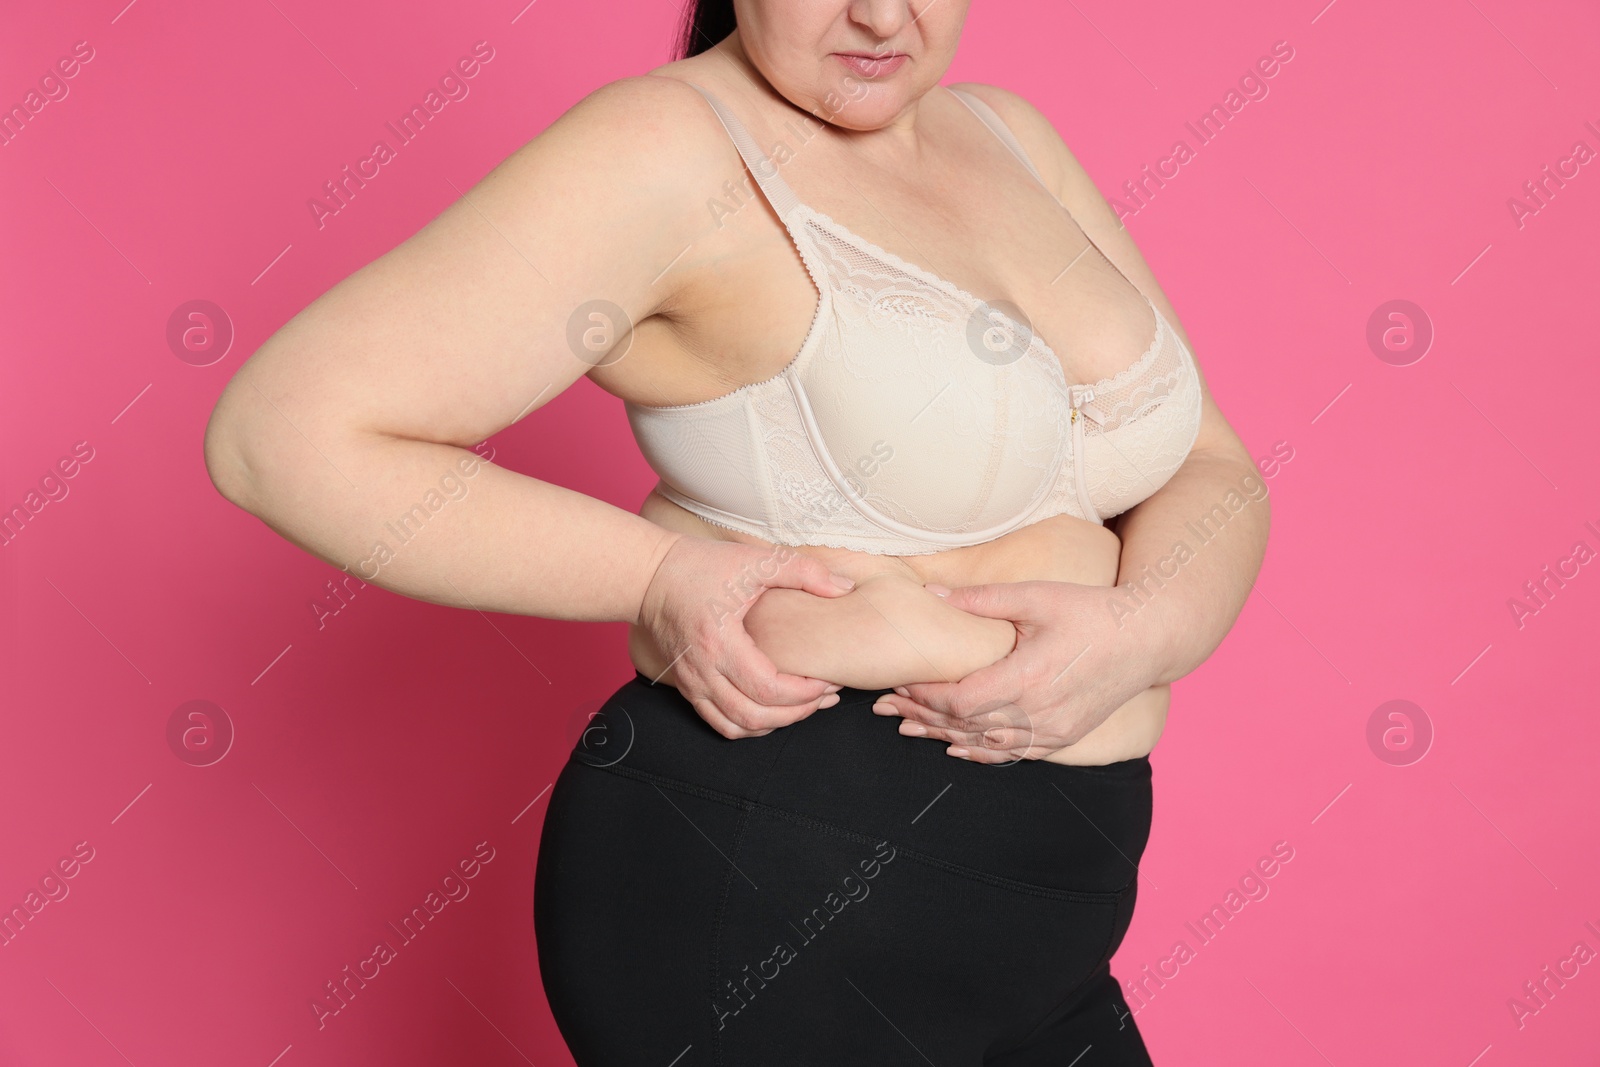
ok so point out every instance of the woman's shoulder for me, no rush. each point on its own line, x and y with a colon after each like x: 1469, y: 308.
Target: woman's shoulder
x: 659, y: 120
x: 1037, y: 135
x: 655, y: 132
x: 644, y: 150
x: 1056, y: 163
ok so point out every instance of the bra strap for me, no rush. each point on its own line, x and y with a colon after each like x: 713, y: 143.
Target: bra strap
x: 997, y: 125
x: 777, y: 190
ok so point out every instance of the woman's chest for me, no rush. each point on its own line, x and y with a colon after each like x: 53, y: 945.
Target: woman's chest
x: 913, y: 408
x: 972, y: 277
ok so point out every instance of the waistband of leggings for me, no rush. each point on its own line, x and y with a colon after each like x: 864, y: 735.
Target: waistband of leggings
x: 1074, y: 828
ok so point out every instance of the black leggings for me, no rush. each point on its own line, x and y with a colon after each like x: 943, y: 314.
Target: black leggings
x: 831, y: 893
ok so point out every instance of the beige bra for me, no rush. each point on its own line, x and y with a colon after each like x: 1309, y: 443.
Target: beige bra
x: 915, y: 416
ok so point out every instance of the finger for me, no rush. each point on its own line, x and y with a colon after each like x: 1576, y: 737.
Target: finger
x: 752, y: 672
x: 756, y: 717
x: 933, y: 703
x: 999, y: 745
x: 724, y: 726
x: 911, y: 711
x: 960, y: 746
x: 705, y: 689
x: 980, y: 755
x: 999, y: 600
x: 985, y: 688
x: 799, y: 571
x: 933, y: 699
x: 912, y: 728
x: 1006, y: 734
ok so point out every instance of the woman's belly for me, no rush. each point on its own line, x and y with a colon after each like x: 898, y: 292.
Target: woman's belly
x: 1061, y: 549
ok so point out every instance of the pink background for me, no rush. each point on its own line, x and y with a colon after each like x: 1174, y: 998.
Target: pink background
x: 373, y: 754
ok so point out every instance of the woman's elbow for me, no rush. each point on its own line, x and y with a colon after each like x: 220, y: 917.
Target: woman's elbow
x: 251, y: 445
x: 227, y: 457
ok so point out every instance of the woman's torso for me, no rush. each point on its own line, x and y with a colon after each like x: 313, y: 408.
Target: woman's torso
x: 970, y: 214
x: 1062, y: 548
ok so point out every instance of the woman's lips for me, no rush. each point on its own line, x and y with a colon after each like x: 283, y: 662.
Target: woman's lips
x: 871, y: 66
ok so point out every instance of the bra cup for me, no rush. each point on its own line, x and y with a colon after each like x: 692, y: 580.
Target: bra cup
x: 894, y: 431
x: 1126, y: 465
x: 923, y: 431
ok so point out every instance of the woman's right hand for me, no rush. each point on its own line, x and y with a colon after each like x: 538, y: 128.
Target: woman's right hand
x: 694, y: 608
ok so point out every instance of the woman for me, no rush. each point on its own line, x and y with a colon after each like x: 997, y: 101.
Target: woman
x: 844, y: 437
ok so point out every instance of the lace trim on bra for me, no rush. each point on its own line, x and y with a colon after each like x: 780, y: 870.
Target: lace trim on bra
x: 842, y: 233
x: 964, y: 299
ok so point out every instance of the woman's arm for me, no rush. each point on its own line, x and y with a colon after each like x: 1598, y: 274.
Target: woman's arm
x: 1082, y: 653
x: 348, y: 431
x: 1184, y: 602
x: 1171, y: 623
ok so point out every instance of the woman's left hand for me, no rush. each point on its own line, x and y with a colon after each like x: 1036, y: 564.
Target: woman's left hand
x: 1075, y: 662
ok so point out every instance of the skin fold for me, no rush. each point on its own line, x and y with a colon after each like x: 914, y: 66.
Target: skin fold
x: 890, y: 631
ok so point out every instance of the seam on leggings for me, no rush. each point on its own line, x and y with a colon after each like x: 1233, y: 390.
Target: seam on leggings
x: 717, y: 925
x: 970, y: 873
x: 717, y: 1050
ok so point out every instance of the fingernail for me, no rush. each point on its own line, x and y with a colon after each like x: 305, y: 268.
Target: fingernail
x: 901, y: 690
x: 936, y: 589
x: 829, y: 701
x: 881, y: 708
x: 915, y: 729
x: 832, y: 688
x: 957, y: 751
x: 842, y: 582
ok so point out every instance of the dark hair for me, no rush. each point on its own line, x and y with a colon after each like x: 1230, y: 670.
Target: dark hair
x: 705, y: 22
